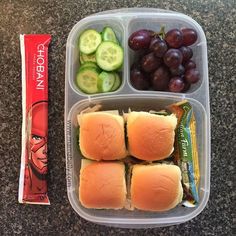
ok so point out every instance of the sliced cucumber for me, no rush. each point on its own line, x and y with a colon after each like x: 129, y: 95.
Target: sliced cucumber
x: 87, y: 58
x: 109, y: 35
x: 106, y: 81
x: 109, y: 56
x: 117, y: 82
x: 88, y: 64
x: 89, y: 41
x: 87, y: 80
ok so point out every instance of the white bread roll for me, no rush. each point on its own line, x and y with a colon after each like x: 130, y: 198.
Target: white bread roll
x: 156, y: 187
x: 150, y: 137
x: 102, y: 136
x: 102, y: 185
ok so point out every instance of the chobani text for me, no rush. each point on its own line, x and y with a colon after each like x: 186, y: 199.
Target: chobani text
x: 40, y: 67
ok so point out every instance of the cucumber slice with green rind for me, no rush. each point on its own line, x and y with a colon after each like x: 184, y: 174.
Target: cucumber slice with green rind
x: 87, y: 80
x: 87, y: 58
x: 117, y: 82
x: 106, y: 81
x: 109, y: 35
x: 109, y: 56
x: 89, y: 41
x: 88, y: 64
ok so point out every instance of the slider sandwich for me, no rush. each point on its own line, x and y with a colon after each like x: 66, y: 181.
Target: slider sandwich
x: 102, y: 185
x: 150, y: 136
x: 102, y: 136
x: 156, y: 187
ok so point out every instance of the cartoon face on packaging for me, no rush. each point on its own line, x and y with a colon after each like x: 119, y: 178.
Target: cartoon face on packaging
x: 38, y: 137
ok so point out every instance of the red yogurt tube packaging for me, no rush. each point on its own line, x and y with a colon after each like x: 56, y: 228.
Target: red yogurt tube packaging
x: 33, y: 171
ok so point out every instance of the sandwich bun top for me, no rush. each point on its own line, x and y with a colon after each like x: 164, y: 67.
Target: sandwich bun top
x: 102, y: 185
x: 150, y: 136
x: 102, y: 136
x: 156, y: 187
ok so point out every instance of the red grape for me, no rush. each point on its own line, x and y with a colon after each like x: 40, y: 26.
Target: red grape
x: 158, y: 46
x: 140, y: 39
x: 141, y: 53
x: 190, y: 65
x: 186, y: 86
x: 177, y: 71
x: 192, y: 76
x: 189, y: 36
x: 187, y: 53
x: 174, y: 38
x: 160, y: 79
x: 176, y: 84
x: 136, y: 65
x: 173, y: 58
x: 150, y: 62
x: 138, y: 80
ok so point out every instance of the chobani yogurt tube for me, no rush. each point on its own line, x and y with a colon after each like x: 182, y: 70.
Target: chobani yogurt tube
x: 32, y: 182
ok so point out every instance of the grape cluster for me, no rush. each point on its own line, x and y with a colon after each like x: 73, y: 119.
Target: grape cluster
x: 164, y: 60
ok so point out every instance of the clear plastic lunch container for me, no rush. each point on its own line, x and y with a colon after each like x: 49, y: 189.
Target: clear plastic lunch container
x: 124, y: 22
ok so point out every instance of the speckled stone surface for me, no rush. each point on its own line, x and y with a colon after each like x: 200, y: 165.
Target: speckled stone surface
x: 217, y: 18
